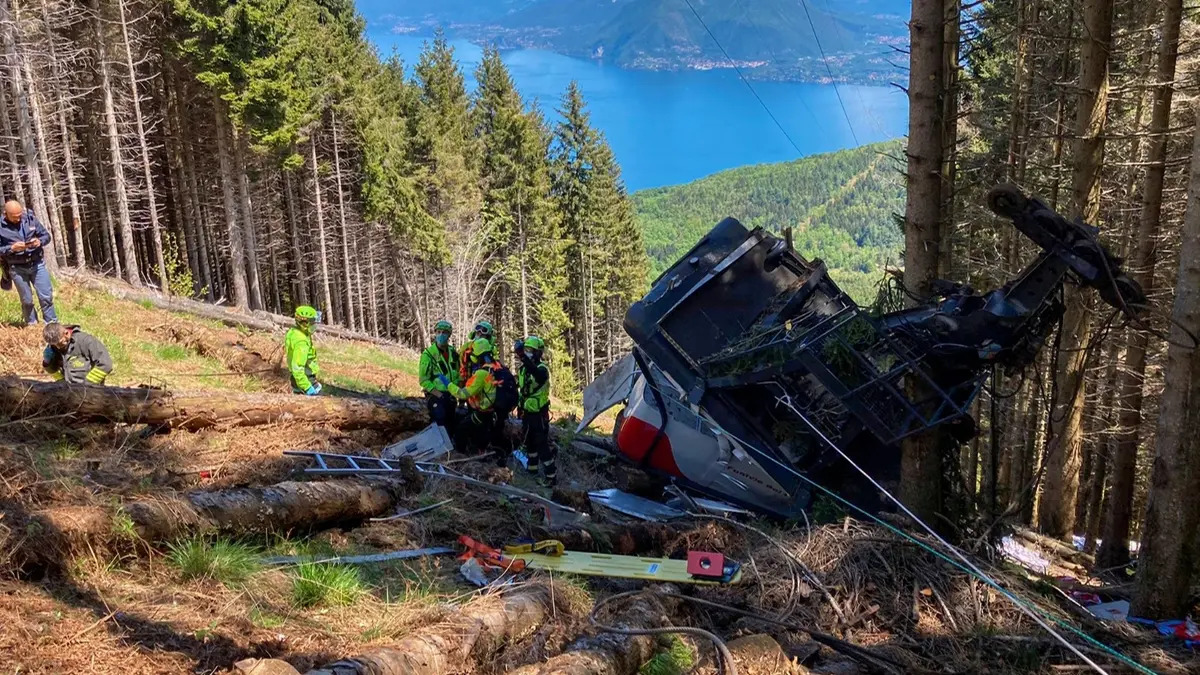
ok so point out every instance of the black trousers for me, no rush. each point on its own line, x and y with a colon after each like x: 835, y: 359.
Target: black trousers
x: 480, y: 430
x: 537, y: 441
x: 443, y: 410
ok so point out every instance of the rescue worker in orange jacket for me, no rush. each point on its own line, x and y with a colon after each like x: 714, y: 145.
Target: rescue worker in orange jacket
x: 479, y: 392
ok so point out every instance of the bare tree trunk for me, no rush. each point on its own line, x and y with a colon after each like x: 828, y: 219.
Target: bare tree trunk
x: 299, y: 288
x: 237, y: 262
x: 109, y: 237
x: 1056, y: 510
x: 243, y: 181
x: 25, y: 129
x: 56, y: 254
x: 202, y: 226
x: 326, y: 296
x: 1114, y: 551
x: 10, y: 143
x: 373, y: 303
x: 921, y: 471
x: 147, y: 173
x: 352, y: 321
x: 1165, y: 563
x: 120, y: 190
x: 64, y: 132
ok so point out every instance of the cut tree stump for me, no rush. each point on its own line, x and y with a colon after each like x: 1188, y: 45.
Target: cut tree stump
x: 22, y: 398
x: 477, y: 633
x: 611, y: 653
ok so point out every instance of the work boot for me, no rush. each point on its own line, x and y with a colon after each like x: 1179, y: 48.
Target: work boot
x: 547, y: 481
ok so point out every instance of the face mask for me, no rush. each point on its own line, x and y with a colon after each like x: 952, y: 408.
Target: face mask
x: 528, y: 354
x: 441, y: 339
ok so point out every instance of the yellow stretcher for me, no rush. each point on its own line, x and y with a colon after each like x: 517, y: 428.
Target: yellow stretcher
x: 622, y: 567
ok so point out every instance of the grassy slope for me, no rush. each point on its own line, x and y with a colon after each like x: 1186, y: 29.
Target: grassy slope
x: 840, y: 205
x: 180, y: 351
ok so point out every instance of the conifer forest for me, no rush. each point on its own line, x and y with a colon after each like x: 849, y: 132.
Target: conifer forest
x: 263, y: 155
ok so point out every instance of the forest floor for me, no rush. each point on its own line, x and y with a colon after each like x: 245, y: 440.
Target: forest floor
x: 115, y: 604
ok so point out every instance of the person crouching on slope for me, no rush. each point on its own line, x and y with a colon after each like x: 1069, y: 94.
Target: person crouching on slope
x: 73, y: 356
x: 480, y: 394
x: 301, y: 354
x: 440, y: 359
x: 533, y: 408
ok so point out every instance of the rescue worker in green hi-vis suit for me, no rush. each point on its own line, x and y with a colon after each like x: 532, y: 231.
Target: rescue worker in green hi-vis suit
x: 302, y: 354
x: 533, y: 408
x: 440, y: 359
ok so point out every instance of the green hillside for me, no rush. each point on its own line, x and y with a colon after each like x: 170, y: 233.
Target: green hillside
x: 840, y: 206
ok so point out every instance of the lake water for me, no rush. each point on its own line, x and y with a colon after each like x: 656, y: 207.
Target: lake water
x: 674, y: 127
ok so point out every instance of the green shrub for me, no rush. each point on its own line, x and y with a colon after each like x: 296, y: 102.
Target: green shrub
x: 324, y: 584
x: 224, y: 561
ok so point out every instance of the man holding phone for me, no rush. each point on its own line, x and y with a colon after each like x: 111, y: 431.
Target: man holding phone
x: 22, y: 249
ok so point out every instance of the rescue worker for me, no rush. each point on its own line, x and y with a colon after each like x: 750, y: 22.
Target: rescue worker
x: 302, y: 354
x: 533, y: 408
x: 73, y: 356
x: 23, y: 243
x: 480, y: 394
x: 484, y: 330
x: 438, y: 359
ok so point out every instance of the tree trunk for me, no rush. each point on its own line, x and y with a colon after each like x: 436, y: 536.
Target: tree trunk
x: 326, y: 295
x: 478, y: 631
x: 201, y: 410
x: 147, y: 173
x: 284, y: 507
x: 55, y: 252
x: 1165, y: 563
x: 299, y: 287
x: 921, y: 472
x: 203, y: 229
x: 120, y: 190
x: 243, y: 181
x: 1056, y: 510
x: 949, y: 120
x: 1114, y: 551
x: 29, y: 148
x: 372, y: 303
x: 76, y: 226
x: 10, y: 143
x: 237, y: 262
x: 352, y: 320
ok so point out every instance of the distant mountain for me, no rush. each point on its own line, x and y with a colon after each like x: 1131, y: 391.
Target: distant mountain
x: 770, y: 39
x: 840, y: 206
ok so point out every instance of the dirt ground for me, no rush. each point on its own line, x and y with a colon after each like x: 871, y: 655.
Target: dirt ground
x: 110, y: 603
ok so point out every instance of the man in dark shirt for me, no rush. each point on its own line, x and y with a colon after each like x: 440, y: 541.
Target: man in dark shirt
x: 22, y: 250
x: 74, y: 356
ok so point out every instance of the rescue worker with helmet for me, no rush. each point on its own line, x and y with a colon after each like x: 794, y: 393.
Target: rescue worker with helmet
x: 533, y: 408
x: 302, y: 354
x: 438, y: 360
x: 73, y: 356
x: 479, y: 392
x: 484, y: 330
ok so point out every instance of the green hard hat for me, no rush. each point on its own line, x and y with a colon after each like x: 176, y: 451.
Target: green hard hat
x: 535, y: 342
x: 443, y: 325
x: 307, y: 313
x: 480, y: 347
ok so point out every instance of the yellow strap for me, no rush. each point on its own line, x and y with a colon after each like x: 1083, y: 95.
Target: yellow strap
x: 619, y: 566
x: 58, y: 375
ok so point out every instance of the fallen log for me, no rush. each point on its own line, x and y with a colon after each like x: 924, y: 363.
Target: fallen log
x: 21, y: 398
x: 277, y: 508
x: 476, y: 632
x: 49, y: 537
x: 605, y: 653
